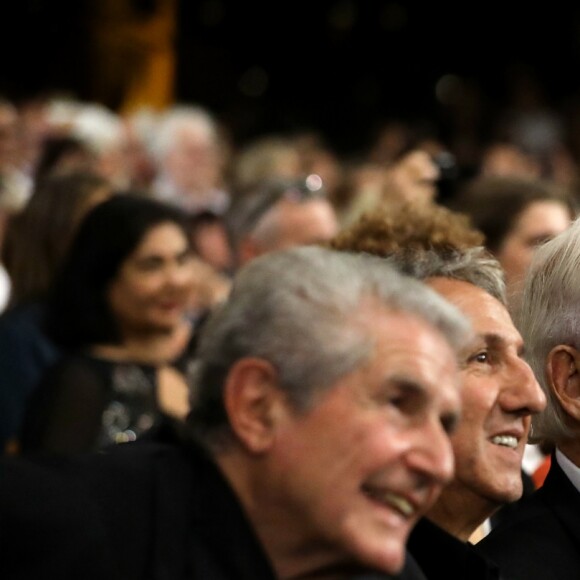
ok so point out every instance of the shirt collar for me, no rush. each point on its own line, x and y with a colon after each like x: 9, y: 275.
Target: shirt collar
x: 572, y: 471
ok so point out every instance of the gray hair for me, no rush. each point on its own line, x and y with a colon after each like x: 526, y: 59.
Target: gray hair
x: 250, y: 211
x: 549, y: 316
x: 472, y: 265
x: 191, y: 117
x: 298, y: 310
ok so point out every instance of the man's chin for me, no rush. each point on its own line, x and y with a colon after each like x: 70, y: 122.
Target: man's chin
x: 388, y: 556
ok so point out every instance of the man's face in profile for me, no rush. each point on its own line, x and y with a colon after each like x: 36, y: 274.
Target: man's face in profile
x: 499, y: 394
x: 352, y: 475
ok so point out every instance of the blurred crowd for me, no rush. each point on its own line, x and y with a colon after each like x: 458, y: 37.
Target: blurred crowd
x: 59, y: 157
x: 121, y: 234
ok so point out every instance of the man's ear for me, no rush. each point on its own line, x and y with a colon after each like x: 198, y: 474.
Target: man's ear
x: 563, y: 374
x: 251, y: 396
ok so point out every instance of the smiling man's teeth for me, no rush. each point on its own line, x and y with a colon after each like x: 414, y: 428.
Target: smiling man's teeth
x: 399, y: 503
x: 393, y: 500
x: 505, y: 440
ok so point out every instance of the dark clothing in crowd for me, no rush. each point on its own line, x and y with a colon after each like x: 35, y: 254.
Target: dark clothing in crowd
x: 442, y: 556
x: 85, y: 403
x: 541, y: 538
x: 136, y: 511
x: 25, y: 354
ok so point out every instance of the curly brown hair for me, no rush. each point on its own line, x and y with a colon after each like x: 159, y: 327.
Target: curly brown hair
x: 393, y: 228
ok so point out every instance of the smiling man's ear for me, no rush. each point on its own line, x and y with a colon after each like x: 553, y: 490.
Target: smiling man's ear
x: 562, y: 368
x: 251, y: 399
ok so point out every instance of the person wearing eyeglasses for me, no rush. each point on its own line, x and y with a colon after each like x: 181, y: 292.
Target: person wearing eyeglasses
x: 278, y: 214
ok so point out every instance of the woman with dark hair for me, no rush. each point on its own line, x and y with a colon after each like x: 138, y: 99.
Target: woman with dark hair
x: 63, y: 154
x: 516, y: 215
x: 119, y: 308
x: 37, y: 239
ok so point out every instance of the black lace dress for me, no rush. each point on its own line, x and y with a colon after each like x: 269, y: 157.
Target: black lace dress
x: 85, y: 403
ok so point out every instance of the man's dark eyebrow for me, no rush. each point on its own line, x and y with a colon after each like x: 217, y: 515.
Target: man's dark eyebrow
x: 402, y: 385
x: 406, y: 384
x: 497, y: 342
x: 409, y: 386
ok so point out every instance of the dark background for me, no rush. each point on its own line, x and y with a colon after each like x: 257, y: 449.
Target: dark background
x: 341, y: 67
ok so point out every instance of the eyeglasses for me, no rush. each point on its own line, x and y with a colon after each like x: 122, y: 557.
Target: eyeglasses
x: 249, y: 208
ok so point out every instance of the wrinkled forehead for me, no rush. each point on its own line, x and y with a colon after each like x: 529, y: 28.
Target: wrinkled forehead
x: 411, y: 351
x: 487, y: 315
x: 399, y: 330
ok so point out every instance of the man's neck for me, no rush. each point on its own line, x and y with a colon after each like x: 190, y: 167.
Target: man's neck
x: 292, y: 554
x: 460, y: 514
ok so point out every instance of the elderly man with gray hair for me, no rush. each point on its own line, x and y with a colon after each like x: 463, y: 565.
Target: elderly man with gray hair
x: 541, y: 539
x: 323, y: 397
x: 189, y: 156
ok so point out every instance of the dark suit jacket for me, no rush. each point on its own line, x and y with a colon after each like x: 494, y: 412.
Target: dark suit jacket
x: 155, y: 511
x: 541, y: 539
x: 441, y: 555
x: 49, y: 528
x: 139, y: 511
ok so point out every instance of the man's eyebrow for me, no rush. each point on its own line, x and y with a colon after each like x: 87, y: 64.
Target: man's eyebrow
x: 497, y: 342
x: 401, y: 384
x: 406, y: 383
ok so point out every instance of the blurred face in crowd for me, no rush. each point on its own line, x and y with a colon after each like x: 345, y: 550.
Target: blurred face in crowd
x: 539, y: 222
x: 292, y: 223
x: 152, y: 289
x: 194, y: 161
x: 210, y: 243
x: 499, y: 394
x: 413, y: 178
x: 350, y: 476
x: 502, y: 159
